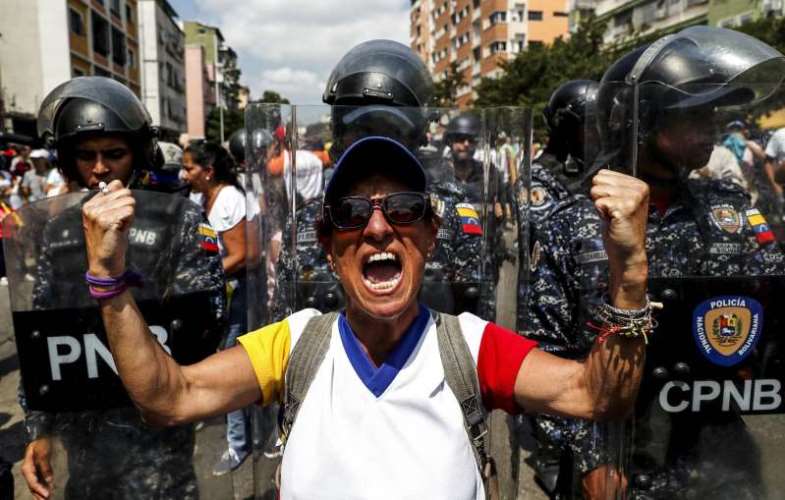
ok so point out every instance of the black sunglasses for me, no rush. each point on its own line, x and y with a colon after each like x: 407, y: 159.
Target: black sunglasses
x: 354, y: 212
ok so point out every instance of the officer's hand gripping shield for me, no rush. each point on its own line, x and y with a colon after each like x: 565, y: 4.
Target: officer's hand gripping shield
x: 69, y: 385
x: 694, y: 120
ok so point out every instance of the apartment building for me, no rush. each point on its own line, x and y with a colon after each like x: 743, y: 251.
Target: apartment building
x: 479, y: 34
x: 211, y: 74
x: 162, y: 45
x: 626, y: 18
x: 46, y: 42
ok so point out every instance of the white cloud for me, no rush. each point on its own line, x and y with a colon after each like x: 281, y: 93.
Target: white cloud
x: 290, y: 46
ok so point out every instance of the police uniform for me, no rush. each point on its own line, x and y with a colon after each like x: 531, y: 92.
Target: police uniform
x: 471, y: 204
x: 706, y: 230
x: 112, y: 453
x: 302, y: 272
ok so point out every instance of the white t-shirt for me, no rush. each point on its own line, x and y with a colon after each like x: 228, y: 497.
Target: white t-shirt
x: 776, y: 145
x: 55, y: 182
x: 394, y: 434
x: 309, y: 173
x: 228, y: 210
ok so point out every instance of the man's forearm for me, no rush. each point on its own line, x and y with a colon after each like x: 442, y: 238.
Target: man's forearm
x: 151, y: 377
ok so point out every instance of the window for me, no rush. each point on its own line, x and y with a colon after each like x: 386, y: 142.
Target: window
x: 100, y: 34
x: 77, y: 72
x: 557, y: 13
x: 497, y: 47
x: 129, y: 14
x: 131, y: 58
x: 535, y: 44
x: 119, y: 51
x: 76, y: 22
x: 115, y: 8
x: 477, y: 53
x: 535, y: 15
x: 98, y: 71
x: 498, y: 17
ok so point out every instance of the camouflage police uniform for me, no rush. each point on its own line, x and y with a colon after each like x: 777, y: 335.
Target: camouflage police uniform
x: 481, y: 248
x: 112, y: 453
x: 456, y: 263
x: 303, y: 277
x: 533, y: 206
x: 704, y: 231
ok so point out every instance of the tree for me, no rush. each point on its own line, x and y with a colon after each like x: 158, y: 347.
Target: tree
x: 233, y: 120
x: 446, y: 90
x: 274, y: 97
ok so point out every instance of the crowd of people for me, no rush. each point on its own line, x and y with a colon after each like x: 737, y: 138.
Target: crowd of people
x: 375, y: 330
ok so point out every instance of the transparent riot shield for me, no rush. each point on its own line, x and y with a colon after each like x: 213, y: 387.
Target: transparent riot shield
x: 699, y: 117
x: 567, y: 278
x: 477, y: 163
x: 72, y: 397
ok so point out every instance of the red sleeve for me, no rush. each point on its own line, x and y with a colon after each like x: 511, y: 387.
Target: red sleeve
x: 501, y: 354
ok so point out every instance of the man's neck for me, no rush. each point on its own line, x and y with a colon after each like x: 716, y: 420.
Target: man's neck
x: 378, y: 337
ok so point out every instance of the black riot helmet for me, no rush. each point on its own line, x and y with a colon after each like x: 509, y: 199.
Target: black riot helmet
x: 464, y: 128
x: 569, y: 119
x: 374, y: 90
x: 94, y: 105
x: 463, y: 125
x: 237, y: 144
x: 697, y: 70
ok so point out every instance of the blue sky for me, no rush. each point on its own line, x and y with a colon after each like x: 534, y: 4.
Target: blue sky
x: 290, y: 46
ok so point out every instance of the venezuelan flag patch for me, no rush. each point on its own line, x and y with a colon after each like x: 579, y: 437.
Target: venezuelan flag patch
x: 470, y: 220
x: 208, y: 238
x: 759, y: 226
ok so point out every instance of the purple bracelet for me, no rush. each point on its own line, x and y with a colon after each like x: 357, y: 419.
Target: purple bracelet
x: 106, y: 294
x: 112, y: 286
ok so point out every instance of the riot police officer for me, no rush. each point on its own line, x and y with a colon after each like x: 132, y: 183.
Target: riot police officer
x: 379, y: 87
x: 556, y: 176
x: 103, y: 133
x: 656, y: 109
x: 480, y: 206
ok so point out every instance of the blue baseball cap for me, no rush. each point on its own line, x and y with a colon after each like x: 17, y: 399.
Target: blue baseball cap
x: 377, y: 154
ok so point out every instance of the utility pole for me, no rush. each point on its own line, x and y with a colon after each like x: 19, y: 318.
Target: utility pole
x: 217, y: 91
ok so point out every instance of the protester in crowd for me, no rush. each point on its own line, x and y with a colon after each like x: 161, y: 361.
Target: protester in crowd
x: 210, y: 171
x: 34, y: 180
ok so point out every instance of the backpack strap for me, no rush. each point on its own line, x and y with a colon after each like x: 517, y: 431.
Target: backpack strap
x: 460, y: 373
x: 306, y: 357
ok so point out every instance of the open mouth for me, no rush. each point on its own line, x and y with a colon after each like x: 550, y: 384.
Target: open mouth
x: 382, y: 271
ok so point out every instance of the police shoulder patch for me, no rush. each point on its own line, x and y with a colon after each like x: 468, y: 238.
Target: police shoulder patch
x: 727, y: 328
x: 726, y: 218
x: 470, y: 219
x: 208, y: 238
x: 761, y: 229
x: 437, y: 205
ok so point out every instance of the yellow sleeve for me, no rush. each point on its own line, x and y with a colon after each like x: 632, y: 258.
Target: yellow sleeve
x: 269, y: 349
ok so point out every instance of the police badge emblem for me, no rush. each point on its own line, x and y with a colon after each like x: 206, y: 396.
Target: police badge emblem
x: 726, y: 218
x: 437, y: 204
x: 540, y: 198
x: 727, y: 328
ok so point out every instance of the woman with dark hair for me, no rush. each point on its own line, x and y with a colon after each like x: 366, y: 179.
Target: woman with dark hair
x: 210, y: 171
